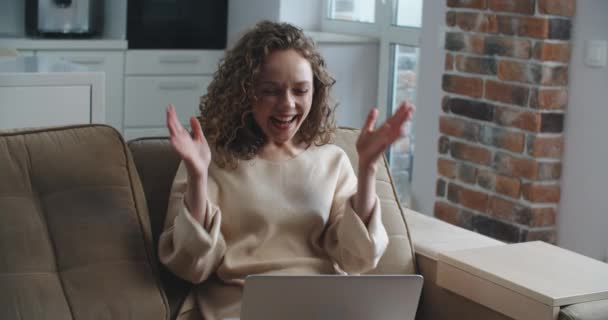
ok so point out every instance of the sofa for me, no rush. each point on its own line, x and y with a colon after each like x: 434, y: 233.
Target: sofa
x: 81, y: 211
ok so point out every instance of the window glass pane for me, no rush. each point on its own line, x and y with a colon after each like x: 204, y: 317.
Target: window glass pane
x: 352, y: 10
x: 408, y: 13
x: 403, y: 83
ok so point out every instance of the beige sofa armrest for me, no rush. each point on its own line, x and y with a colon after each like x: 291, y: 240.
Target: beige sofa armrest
x: 430, y: 236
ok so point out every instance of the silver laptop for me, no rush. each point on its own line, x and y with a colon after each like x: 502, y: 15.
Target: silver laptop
x: 331, y: 297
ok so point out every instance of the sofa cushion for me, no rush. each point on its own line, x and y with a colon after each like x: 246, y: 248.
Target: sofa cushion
x: 75, y: 238
x: 157, y: 164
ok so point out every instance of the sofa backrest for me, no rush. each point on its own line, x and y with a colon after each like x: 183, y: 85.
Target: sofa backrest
x: 399, y: 256
x: 75, y: 241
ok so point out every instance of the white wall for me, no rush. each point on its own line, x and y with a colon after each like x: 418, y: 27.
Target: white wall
x: 243, y: 14
x: 583, y: 214
x: 12, y: 18
x: 355, y: 68
x: 305, y: 14
x: 428, y: 106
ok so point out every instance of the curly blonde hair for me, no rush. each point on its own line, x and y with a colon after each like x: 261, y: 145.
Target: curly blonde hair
x: 226, y: 109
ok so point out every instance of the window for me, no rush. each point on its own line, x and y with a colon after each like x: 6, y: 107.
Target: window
x: 396, y: 23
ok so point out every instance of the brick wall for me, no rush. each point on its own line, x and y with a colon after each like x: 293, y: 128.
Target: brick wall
x: 505, y: 96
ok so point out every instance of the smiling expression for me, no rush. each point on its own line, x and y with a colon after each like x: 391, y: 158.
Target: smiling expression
x: 284, y: 95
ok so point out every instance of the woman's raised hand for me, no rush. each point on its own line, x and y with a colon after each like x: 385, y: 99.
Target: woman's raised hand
x: 193, y: 149
x: 372, y: 142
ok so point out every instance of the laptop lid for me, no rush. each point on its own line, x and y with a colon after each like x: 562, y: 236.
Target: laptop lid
x: 381, y: 297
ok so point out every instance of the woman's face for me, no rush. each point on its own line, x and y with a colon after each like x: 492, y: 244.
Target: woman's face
x: 284, y: 93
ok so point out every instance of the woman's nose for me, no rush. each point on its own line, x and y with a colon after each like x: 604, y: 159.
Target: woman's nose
x: 288, y: 100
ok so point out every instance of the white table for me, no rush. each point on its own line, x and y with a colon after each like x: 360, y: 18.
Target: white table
x: 529, y: 280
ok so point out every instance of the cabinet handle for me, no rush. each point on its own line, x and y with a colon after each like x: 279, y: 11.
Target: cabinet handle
x: 87, y: 60
x: 179, y: 59
x: 179, y: 85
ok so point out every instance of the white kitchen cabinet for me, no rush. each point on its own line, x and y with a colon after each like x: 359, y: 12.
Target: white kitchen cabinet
x: 40, y: 106
x: 42, y: 92
x: 148, y: 97
x: 157, y: 78
x: 109, y: 62
x: 172, y: 62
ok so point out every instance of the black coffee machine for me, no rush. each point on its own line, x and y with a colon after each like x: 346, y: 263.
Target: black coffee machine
x: 64, y: 18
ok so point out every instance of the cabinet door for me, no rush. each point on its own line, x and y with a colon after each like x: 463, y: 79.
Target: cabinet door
x: 146, y: 99
x: 110, y: 62
x: 172, y: 62
x: 42, y: 106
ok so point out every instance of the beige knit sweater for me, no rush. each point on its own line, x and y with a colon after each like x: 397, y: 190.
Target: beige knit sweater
x: 288, y: 217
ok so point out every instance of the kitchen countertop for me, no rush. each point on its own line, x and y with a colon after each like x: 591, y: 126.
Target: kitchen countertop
x: 37, y: 65
x: 21, y: 43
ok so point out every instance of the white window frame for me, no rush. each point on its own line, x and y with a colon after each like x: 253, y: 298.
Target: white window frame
x: 387, y: 33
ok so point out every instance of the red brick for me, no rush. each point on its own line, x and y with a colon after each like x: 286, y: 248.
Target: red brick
x: 509, y: 140
x: 520, y: 72
x: 440, y: 188
x: 517, y: 6
x: 518, y: 118
x: 502, y: 138
x: 533, y: 27
x: 526, y: 168
x: 446, y: 168
x: 507, y: 93
x: 507, y: 46
x: 475, y: 43
x: 472, y: 87
x: 549, y: 99
x: 551, y: 147
x: 486, y: 179
x: 450, y: 19
x: 565, y: 8
x: 554, y: 76
x: 546, y: 51
x: 476, y: 65
x: 458, y: 128
x: 447, y: 213
x: 471, y: 153
x: 471, y: 4
x: 471, y: 43
x: 509, y: 210
x: 468, y: 198
x: 508, y: 186
x: 552, y: 122
x: 449, y: 62
x: 540, y: 193
x: 466, y: 173
x: 543, y: 217
x: 501, y: 184
x: 443, y: 145
x: 471, y: 21
x: 470, y: 108
x: 549, y: 171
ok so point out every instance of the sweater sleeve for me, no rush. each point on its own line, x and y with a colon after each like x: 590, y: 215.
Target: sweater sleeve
x: 190, y: 250
x: 354, y: 246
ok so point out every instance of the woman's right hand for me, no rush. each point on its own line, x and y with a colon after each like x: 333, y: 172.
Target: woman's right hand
x: 194, y: 150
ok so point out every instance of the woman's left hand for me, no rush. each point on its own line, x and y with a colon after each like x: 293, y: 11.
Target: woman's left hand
x: 372, y: 142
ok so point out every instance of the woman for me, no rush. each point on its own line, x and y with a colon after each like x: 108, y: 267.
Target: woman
x: 259, y: 189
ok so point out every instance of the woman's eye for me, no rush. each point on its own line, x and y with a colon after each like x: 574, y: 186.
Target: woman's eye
x: 301, y: 91
x: 269, y: 92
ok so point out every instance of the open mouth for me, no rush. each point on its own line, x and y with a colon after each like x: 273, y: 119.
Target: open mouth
x: 284, y: 122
